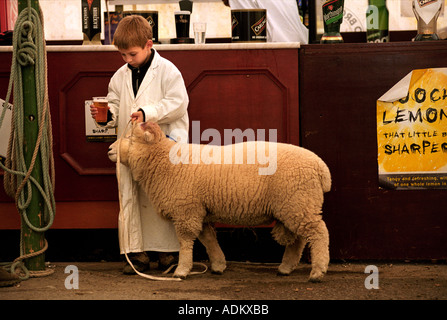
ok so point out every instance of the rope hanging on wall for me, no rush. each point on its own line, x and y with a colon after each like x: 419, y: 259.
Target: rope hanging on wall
x: 29, y: 49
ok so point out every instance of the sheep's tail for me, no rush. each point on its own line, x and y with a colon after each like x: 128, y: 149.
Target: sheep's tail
x: 325, y: 176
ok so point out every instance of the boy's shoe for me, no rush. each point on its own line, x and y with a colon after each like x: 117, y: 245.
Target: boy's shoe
x: 165, y: 260
x: 140, y: 261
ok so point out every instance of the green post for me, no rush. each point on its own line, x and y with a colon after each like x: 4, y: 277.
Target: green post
x: 32, y: 241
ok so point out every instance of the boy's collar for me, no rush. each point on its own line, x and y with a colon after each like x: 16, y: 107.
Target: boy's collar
x: 145, y: 66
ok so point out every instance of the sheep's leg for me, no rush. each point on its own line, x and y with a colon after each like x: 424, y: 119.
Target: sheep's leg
x: 185, y: 260
x: 291, y: 257
x: 318, y: 236
x: 217, y: 258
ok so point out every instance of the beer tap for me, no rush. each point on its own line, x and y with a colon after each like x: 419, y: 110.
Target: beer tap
x: 185, y: 5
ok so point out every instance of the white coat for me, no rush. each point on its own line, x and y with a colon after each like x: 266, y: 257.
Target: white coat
x: 283, y: 19
x: 163, y: 98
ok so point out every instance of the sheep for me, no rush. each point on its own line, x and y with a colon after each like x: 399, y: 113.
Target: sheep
x: 195, y: 195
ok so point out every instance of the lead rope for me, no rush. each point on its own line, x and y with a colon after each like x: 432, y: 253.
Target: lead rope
x: 118, y: 176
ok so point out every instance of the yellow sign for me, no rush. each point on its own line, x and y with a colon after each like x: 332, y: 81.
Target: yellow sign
x: 412, y: 132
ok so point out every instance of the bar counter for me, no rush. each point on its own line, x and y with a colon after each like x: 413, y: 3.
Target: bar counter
x: 175, y: 47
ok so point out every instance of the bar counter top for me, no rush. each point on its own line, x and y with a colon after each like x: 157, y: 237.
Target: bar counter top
x: 175, y: 47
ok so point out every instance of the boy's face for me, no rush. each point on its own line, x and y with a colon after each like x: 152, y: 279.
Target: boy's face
x: 136, y: 56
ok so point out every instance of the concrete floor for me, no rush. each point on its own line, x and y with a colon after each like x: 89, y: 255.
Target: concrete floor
x: 241, y: 281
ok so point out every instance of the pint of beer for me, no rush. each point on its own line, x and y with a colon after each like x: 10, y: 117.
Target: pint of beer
x: 101, y: 104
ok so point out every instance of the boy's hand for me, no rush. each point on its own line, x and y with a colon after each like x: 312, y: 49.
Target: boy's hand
x: 137, y: 116
x: 93, y: 111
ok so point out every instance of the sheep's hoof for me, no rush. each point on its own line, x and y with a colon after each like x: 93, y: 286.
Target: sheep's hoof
x: 284, y: 270
x: 316, y: 276
x: 218, y: 267
x: 180, y: 276
x: 218, y: 272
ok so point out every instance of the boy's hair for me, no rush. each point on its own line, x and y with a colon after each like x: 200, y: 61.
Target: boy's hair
x: 132, y: 31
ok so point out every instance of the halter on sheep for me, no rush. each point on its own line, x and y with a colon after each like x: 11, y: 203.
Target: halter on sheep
x: 195, y: 194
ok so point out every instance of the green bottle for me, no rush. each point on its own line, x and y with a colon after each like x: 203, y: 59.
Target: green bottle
x: 332, y: 18
x: 377, y: 18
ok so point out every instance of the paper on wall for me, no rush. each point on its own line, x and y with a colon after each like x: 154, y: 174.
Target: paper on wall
x: 94, y: 132
x: 412, y: 132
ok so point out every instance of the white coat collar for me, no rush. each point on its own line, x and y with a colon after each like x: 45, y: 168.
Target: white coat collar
x: 150, y: 75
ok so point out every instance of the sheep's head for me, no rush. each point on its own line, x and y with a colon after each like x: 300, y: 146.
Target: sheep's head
x: 140, y: 133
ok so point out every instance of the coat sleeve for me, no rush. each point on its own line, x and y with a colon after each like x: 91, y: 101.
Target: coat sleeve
x: 175, y: 99
x: 113, y: 97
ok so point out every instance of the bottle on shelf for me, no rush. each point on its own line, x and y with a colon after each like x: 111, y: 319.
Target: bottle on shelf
x: 377, y: 21
x: 332, y: 18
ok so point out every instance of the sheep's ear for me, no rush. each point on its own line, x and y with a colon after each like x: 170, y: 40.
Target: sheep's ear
x: 148, y: 136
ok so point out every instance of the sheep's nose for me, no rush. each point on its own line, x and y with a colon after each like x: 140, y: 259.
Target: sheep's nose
x: 110, y: 149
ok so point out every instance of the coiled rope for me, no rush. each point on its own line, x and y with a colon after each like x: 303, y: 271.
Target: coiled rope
x: 29, y: 49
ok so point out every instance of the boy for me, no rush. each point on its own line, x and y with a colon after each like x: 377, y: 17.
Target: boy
x: 147, y: 88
